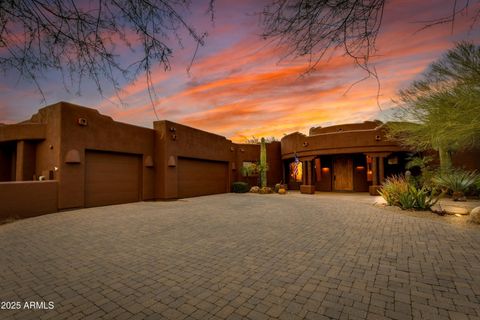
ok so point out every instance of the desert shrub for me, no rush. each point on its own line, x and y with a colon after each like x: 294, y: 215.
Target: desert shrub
x: 240, y: 187
x: 457, y: 182
x: 392, y: 188
x: 399, y: 191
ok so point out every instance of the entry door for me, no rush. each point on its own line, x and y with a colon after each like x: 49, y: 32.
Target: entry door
x: 343, y: 174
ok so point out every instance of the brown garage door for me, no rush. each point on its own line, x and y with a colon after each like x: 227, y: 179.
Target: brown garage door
x: 201, y: 177
x: 111, y: 178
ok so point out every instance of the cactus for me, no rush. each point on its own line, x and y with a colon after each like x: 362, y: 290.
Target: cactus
x: 263, y: 163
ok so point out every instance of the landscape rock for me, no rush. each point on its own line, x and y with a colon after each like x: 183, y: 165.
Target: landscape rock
x: 475, y: 215
x: 266, y: 190
x: 255, y: 189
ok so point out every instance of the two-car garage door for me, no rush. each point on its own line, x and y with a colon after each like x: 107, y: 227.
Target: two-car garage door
x: 198, y: 177
x: 111, y: 178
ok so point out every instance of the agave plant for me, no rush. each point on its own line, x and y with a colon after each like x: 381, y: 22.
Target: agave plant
x: 398, y: 191
x: 418, y: 198
x: 458, y: 182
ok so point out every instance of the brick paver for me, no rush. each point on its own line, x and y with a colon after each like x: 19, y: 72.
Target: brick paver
x: 241, y: 256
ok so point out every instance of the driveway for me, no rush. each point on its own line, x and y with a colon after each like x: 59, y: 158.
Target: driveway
x: 237, y: 256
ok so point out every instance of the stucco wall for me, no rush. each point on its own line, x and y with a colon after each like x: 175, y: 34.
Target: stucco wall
x: 24, y: 199
x: 176, y: 140
x: 337, y: 143
x: 99, y: 133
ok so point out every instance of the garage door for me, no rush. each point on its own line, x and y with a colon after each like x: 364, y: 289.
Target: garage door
x: 201, y: 177
x: 111, y: 178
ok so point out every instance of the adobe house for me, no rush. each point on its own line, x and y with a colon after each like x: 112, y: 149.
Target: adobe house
x: 350, y: 157
x: 86, y: 159
x: 68, y: 156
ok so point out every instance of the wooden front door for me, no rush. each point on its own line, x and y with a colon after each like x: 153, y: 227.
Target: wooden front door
x: 343, y: 174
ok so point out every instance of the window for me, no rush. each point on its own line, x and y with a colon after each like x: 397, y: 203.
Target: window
x: 249, y: 169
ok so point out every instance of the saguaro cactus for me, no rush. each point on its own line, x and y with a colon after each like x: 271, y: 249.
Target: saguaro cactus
x: 263, y: 163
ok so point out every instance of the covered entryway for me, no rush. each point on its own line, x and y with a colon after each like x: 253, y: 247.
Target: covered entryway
x: 343, y: 174
x: 111, y: 178
x: 197, y: 177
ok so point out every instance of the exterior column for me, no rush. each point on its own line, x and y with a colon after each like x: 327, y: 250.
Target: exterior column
x: 304, y: 172
x: 307, y: 186
x: 381, y: 171
x: 375, y: 170
x: 309, y: 172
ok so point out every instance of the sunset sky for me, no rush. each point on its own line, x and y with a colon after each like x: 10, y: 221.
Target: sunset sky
x: 239, y: 85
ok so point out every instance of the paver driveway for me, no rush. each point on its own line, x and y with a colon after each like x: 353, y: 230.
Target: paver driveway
x: 240, y: 256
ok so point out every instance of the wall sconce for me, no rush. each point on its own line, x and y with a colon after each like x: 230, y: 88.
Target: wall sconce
x: 325, y: 170
x: 148, y: 162
x: 305, y: 144
x: 369, y: 175
x: 171, y: 162
x: 72, y: 156
x: 360, y: 168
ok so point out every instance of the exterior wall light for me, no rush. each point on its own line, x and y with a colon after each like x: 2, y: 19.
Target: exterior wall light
x: 72, y: 156
x: 171, y: 162
x: 148, y: 162
x: 325, y: 170
x: 360, y: 168
x: 305, y: 144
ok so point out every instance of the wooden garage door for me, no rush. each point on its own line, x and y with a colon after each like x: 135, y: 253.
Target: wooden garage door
x: 111, y: 178
x: 201, y: 177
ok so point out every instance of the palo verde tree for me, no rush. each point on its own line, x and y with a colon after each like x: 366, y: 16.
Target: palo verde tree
x: 441, y: 111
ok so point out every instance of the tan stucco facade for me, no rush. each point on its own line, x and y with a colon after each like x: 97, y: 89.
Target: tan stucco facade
x: 91, y: 160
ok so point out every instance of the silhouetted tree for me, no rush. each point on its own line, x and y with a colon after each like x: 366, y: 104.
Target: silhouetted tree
x: 312, y: 27
x: 82, y: 39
